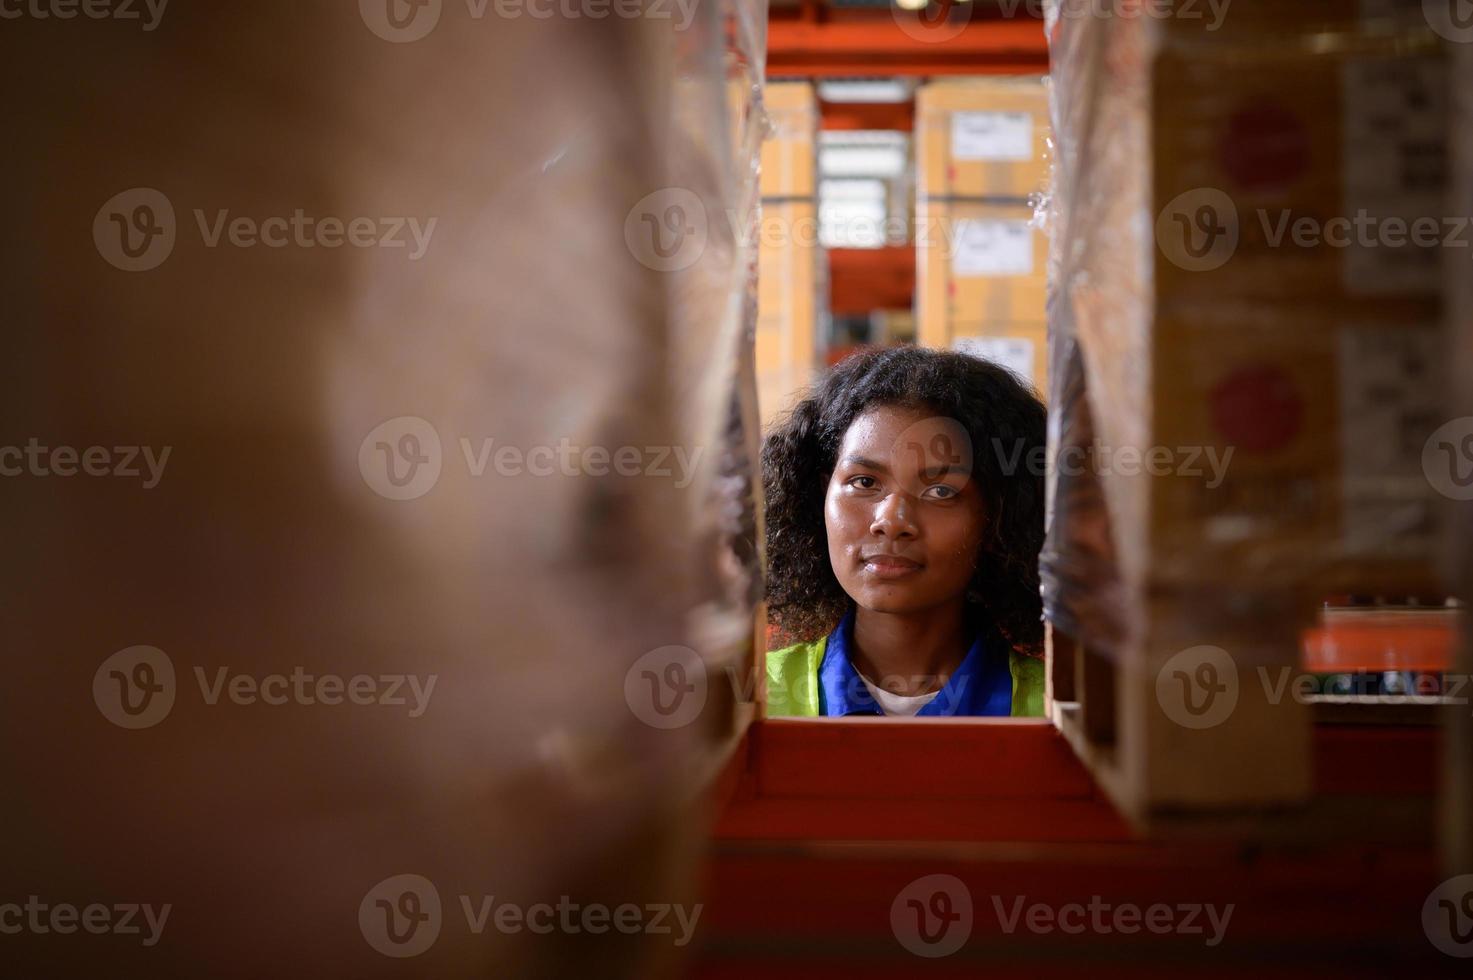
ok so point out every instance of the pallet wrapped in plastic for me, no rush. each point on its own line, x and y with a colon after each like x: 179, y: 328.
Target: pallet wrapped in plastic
x: 1458, y: 806
x: 377, y: 426
x: 1247, y: 343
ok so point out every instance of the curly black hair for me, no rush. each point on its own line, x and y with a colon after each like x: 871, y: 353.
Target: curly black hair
x: 1007, y: 425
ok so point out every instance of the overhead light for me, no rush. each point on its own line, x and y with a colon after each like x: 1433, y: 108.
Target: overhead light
x: 866, y: 90
x: 911, y: 4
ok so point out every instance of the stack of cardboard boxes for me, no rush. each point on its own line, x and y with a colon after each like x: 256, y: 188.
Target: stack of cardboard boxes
x: 1250, y: 265
x: 981, y: 259
x: 789, y: 255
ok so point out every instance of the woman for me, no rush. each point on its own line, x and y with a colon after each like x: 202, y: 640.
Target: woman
x: 904, y: 520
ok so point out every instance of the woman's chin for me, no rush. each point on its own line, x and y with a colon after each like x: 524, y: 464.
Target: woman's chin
x: 891, y: 599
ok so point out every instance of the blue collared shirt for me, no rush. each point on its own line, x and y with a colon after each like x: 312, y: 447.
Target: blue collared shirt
x: 982, y: 685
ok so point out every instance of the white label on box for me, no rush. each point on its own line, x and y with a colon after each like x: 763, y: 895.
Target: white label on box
x: 985, y: 247
x: 1014, y: 353
x: 1395, y: 161
x: 1388, y: 405
x: 991, y: 136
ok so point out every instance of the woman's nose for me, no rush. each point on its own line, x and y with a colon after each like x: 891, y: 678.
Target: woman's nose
x: 893, y: 517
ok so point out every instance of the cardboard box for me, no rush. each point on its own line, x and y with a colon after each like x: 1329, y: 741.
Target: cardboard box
x: 788, y: 283
x: 1289, y: 444
x: 982, y: 138
x: 788, y: 303
x: 982, y: 272
x: 1282, y: 176
x: 1317, y: 366
x: 1020, y: 347
x: 790, y: 153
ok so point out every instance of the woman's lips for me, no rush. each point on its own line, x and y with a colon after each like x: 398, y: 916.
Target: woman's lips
x: 890, y: 566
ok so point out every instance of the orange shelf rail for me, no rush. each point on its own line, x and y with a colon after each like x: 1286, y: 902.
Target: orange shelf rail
x: 822, y: 42
x: 1356, y: 640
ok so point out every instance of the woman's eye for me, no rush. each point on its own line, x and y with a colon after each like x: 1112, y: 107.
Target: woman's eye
x: 941, y: 492
x: 862, y: 482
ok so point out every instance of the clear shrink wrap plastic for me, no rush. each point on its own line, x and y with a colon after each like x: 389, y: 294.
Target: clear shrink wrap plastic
x: 1458, y: 809
x: 338, y: 502
x: 1239, y: 412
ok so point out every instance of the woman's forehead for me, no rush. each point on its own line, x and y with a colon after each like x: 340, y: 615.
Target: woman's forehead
x: 904, y: 434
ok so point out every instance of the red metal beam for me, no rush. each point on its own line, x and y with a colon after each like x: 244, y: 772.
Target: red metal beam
x: 877, y: 43
x: 868, y: 115
x: 865, y: 279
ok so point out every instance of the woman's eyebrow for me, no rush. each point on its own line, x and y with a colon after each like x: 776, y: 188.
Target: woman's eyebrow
x: 945, y: 469
x: 866, y: 463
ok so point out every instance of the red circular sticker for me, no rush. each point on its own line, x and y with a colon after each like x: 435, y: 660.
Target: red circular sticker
x: 1257, y: 409
x: 1265, y: 146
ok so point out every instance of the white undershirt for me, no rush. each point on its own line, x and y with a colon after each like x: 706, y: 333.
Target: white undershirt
x: 898, y: 704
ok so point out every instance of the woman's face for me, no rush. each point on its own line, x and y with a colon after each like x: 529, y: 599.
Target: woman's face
x: 903, y: 514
